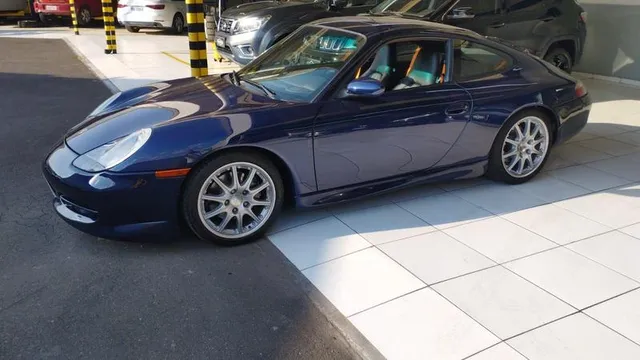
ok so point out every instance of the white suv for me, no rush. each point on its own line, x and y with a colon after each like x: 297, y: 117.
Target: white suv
x: 153, y: 14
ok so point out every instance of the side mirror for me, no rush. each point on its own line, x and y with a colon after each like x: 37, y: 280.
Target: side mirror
x: 364, y: 88
x: 461, y: 13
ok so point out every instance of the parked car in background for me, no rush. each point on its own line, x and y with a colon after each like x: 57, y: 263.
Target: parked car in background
x: 552, y: 29
x: 343, y: 108
x: 86, y: 10
x: 152, y: 14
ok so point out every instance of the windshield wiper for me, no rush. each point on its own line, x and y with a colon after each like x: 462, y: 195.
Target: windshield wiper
x: 270, y: 93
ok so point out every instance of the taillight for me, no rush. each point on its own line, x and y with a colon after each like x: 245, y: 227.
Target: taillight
x: 156, y: 7
x: 583, y: 17
x: 120, y: 6
x: 581, y: 90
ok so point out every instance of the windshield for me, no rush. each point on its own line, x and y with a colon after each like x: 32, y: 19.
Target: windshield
x: 411, y: 7
x: 298, y: 68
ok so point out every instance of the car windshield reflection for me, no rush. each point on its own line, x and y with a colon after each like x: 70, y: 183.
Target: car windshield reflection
x: 299, y: 68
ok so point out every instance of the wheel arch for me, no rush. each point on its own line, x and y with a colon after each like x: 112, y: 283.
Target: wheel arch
x: 555, y: 121
x: 288, y: 177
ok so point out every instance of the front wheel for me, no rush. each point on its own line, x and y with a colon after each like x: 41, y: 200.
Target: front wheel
x: 521, y: 148
x: 232, y: 199
x: 84, y: 16
x: 132, y: 29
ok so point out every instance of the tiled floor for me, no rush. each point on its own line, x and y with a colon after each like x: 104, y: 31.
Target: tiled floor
x: 549, y: 269
x: 469, y: 270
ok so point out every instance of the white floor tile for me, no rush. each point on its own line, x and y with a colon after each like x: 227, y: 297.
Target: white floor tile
x: 556, y: 162
x: 626, y: 167
x: 294, y: 218
x: 422, y: 325
x: 615, y: 250
x: 576, y: 337
x: 501, y: 351
x: 622, y: 314
x: 362, y: 280
x: 317, y: 242
x: 414, y: 193
x: 356, y: 205
x: 503, y: 302
x: 445, y: 210
x: 385, y: 223
x: 435, y: 257
x: 571, y: 277
x: 576, y: 153
x: 556, y: 224
x: 609, y: 146
x: 633, y: 230
x: 602, y: 129
x: 499, y: 239
x: 610, y: 209
x: 580, y: 137
x: 551, y: 189
x: 499, y: 198
x: 588, y: 177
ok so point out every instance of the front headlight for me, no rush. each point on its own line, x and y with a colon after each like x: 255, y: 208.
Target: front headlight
x: 111, y: 154
x: 249, y: 24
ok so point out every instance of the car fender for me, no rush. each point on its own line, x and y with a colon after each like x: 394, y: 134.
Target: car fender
x: 549, y: 43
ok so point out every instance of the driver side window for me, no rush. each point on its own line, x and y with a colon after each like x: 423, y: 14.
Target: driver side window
x: 406, y: 64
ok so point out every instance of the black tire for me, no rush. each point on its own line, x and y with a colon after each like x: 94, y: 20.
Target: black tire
x: 560, y: 58
x: 44, y: 19
x: 496, y: 170
x: 132, y: 29
x: 177, y: 25
x: 196, y: 180
x: 84, y: 16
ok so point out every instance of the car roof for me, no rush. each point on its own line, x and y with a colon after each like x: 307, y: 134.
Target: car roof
x: 373, y: 25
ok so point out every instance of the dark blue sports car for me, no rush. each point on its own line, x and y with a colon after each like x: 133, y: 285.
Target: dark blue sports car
x: 343, y: 108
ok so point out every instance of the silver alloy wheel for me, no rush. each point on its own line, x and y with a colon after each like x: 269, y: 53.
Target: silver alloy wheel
x: 236, y: 200
x: 525, y: 146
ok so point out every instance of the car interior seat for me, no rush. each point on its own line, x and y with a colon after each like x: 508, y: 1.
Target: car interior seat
x: 425, y: 69
x: 380, y: 68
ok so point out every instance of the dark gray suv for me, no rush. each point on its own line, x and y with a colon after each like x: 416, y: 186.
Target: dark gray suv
x: 551, y: 29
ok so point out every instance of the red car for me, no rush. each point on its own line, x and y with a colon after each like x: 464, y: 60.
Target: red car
x: 86, y: 10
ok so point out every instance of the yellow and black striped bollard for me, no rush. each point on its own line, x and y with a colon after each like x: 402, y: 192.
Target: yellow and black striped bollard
x: 74, y: 16
x: 109, y: 27
x: 197, y: 38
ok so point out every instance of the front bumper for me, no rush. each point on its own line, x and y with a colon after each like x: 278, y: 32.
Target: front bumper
x: 240, y: 48
x: 112, y: 205
x: 573, y: 118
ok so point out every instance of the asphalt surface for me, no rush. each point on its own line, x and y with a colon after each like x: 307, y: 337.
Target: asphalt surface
x: 66, y: 295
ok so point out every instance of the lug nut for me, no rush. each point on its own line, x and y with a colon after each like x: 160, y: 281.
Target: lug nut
x: 246, y: 204
x: 235, y: 210
x: 245, y: 192
x: 226, y: 202
x: 233, y: 191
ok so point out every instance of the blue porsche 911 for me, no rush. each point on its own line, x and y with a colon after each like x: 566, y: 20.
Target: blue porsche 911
x: 343, y: 108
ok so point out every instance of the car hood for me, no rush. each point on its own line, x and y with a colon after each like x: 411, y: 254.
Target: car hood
x: 161, y: 104
x: 263, y: 8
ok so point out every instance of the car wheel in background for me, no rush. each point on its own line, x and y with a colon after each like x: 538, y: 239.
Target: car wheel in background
x: 560, y: 58
x: 132, y: 29
x: 45, y: 19
x: 233, y: 198
x: 84, y: 16
x: 521, y: 148
x: 177, y: 26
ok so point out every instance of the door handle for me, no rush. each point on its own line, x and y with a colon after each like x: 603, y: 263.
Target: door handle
x: 457, y: 109
x: 496, y: 25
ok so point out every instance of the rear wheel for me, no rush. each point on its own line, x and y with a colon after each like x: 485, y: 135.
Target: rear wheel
x: 178, y: 24
x: 232, y: 199
x: 84, y: 16
x: 132, y: 29
x: 521, y: 148
x: 561, y: 59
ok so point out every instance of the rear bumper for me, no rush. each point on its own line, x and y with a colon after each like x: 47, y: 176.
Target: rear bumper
x: 573, y: 118
x: 58, y: 9
x: 145, y: 24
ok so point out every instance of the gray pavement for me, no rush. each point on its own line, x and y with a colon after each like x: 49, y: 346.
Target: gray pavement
x: 66, y: 295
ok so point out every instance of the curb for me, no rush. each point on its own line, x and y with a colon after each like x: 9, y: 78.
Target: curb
x: 611, y: 79
x: 105, y: 80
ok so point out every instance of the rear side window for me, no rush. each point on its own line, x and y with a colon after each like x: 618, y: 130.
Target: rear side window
x: 480, y: 7
x: 472, y: 60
